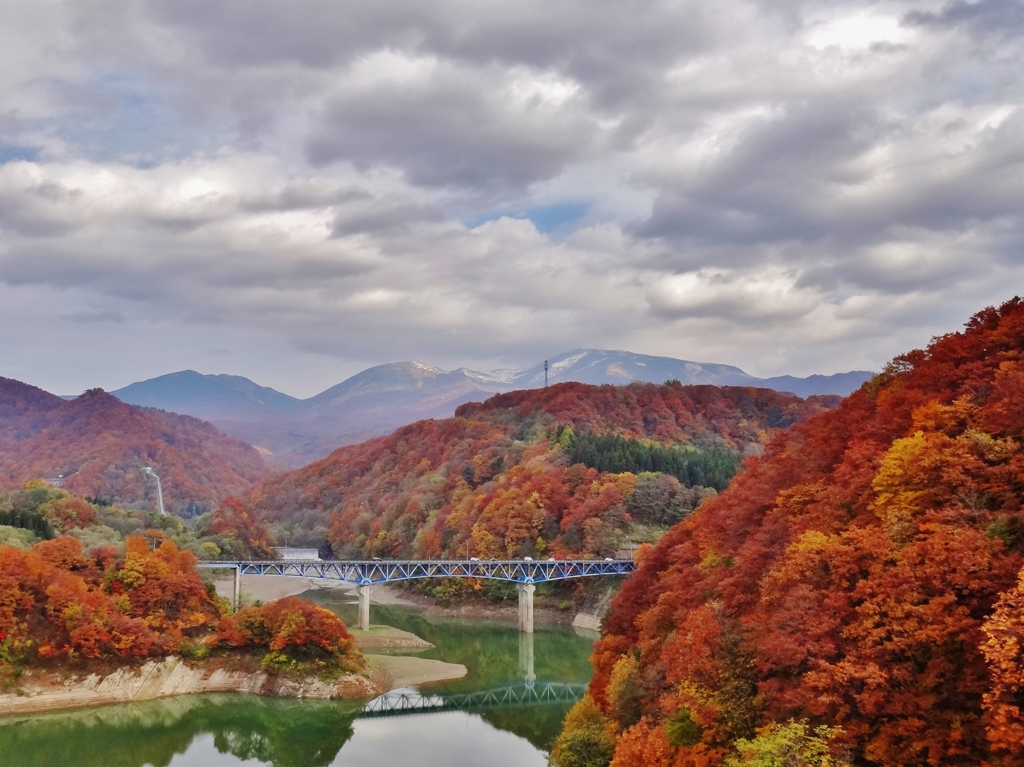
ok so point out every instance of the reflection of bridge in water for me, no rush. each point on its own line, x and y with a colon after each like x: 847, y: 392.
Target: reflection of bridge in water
x: 526, y: 692
x: 510, y: 696
x: 364, y: 574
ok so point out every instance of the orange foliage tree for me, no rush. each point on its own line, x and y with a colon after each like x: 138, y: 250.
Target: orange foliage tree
x: 56, y: 601
x: 66, y: 512
x: 292, y: 631
x: 59, y: 603
x: 643, y: 745
x: 1004, y: 651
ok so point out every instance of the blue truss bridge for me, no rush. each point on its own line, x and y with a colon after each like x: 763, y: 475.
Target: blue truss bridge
x: 365, y: 574
x: 373, y: 572
x: 407, y: 703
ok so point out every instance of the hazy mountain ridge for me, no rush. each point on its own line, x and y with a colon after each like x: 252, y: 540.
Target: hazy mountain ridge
x: 382, y: 398
x: 206, y: 396
x: 837, y: 383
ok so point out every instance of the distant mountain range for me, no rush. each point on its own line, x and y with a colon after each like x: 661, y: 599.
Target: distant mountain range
x: 599, y: 366
x: 293, y: 432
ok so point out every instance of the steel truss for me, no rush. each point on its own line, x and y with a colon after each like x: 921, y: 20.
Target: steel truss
x: 372, y: 572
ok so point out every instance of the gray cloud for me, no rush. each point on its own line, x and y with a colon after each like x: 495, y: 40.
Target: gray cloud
x: 770, y: 186
x: 600, y: 41
x: 95, y: 316
x: 302, y: 195
x: 448, y: 126
x: 998, y: 18
x: 387, y: 216
x: 791, y: 187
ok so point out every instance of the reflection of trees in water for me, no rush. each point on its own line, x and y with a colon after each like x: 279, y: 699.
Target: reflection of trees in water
x: 539, y: 725
x: 309, y: 736
x: 282, y: 733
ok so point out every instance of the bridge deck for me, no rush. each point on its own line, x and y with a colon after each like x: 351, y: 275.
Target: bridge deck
x: 370, y: 572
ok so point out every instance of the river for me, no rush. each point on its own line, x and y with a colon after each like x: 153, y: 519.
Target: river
x: 506, y: 711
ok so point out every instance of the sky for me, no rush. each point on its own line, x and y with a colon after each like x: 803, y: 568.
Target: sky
x: 294, y: 190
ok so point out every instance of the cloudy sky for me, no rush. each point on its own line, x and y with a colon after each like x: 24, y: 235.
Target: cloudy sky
x: 293, y: 190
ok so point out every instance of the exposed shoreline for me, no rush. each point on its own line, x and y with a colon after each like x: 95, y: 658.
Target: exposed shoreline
x: 39, y: 691
x: 400, y: 671
x: 45, y: 690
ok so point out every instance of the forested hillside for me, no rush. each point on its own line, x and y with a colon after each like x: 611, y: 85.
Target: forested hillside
x: 524, y: 474
x: 861, y: 577
x: 99, y: 445
x: 42, y: 512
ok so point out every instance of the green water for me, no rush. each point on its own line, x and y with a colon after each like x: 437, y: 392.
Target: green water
x: 222, y: 730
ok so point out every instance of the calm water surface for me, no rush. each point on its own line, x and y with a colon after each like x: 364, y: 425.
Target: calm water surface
x: 223, y: 730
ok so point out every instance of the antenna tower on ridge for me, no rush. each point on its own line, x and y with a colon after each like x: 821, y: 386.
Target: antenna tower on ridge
x: 545, y: 374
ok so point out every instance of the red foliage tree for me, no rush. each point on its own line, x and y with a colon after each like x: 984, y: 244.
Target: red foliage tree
x: 239, y: 522
x: 845, y: 577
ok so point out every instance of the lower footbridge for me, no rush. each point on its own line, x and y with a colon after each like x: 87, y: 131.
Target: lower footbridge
x: 511, y: 696
x: 364, y: 574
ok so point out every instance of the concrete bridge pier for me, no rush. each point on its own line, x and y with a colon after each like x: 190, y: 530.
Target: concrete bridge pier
x: 526, y: 672
x: 364, y: 607
x: 236, y: 598
x: 526, y: 607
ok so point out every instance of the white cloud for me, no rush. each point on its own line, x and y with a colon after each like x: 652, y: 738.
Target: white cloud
x: 859, y: 31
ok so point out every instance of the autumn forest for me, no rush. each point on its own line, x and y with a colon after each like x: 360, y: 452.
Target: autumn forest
x: 863, y: 576
x: 820, y: 581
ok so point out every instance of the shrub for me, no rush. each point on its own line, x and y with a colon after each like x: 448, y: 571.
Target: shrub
x: 295, y: 634
x: 586, y: 739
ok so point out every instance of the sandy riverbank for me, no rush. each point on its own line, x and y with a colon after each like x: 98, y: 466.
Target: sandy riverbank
x: 405, y: 671
x: 388, y: 638
x: 267, y: 588
x: 40, y: 690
